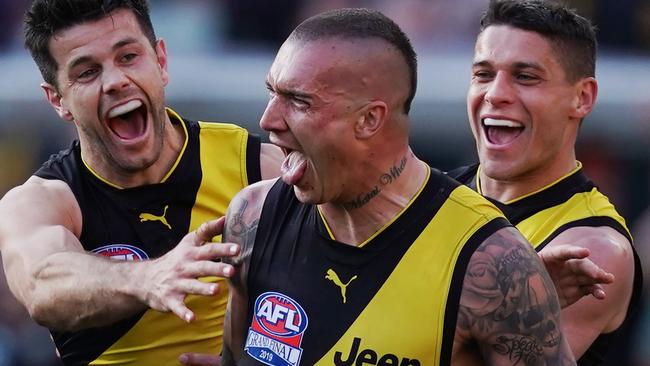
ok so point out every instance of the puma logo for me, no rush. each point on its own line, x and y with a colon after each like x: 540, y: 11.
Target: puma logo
x: 151, y: 217
x: 332, y: 276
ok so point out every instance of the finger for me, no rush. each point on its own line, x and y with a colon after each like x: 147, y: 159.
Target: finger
x: 209, y: 230
x: 590, y: 271
x: 565, y: 252
x: 212, y: 251
x: 198, y: 359
x: 209, y: 268
x: 178, y: 307
x: 598, y: 292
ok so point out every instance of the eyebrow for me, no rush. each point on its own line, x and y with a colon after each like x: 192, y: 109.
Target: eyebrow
x: 288, y: 92
x: 83, y: 59
x: 517, y: 65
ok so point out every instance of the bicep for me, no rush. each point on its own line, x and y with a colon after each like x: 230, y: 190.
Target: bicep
x: 508, y: 304
x: 37, y: 219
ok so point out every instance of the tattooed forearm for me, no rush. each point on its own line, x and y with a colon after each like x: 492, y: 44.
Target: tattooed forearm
x: 387, y: 178
x: 509, y: 304
x: 519, y: 348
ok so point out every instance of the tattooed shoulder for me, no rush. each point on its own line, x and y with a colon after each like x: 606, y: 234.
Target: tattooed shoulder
x: 242, y: 218
x: 509, y: 306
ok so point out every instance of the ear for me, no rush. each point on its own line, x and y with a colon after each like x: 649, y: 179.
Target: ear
x: 585, y: 98
x: 161, y: 54
x: 56, y: 101
x: 371, y: 119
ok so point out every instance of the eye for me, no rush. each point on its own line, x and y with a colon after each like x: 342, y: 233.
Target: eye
x: 482, y: 75
x: 87, y: 74
x: 526, y: 78
x: 128, y: 57
x: 300, y: 103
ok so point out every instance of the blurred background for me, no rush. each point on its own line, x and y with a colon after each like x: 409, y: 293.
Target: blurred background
x: 219, y: 53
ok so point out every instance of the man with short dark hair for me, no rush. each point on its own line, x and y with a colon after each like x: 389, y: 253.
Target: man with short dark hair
x: 533, y: 82
x: 94, y: 244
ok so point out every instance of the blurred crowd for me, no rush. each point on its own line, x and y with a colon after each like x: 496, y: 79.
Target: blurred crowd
x: 223, y: 26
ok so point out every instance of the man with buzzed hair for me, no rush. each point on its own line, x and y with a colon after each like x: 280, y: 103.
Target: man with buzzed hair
x: 438, y: 271
x: 533, y: 82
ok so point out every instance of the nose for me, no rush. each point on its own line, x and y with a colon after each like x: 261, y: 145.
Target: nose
x: 272, y: 118
x: 114, y: 80
x: 500, y: 90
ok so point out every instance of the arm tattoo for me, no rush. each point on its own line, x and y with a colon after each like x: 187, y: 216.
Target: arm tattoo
x: 241, y: 228
x: 508, y: 302
x: 238, y: 230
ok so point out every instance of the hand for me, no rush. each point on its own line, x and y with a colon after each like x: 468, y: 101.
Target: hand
x: 199, y: 359
x: 168, y: 279
x: 573, y: 274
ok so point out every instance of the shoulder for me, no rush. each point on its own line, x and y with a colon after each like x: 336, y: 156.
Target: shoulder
x: 605, y: 244
x: 41, y: 201
x: 38, y: 189
x: 609, y: 249
x: 250, y: 200
x: 271, y: 158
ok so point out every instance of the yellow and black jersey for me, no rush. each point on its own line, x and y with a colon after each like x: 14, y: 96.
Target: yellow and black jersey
x: 393, y: 300
x: 145, y: 222
x: 571, y: 201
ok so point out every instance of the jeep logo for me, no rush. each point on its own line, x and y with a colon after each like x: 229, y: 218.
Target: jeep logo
x: 370, y: 357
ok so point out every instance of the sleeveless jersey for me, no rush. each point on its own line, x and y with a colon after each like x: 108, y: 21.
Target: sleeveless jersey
x: 144, y: 222
x: 393, y: 300
x: 571, y: 201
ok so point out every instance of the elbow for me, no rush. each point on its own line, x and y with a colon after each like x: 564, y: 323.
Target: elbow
x: 41, y: 310
x: 52, y: 314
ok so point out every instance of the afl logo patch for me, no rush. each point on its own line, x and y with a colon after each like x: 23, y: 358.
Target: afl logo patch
x: 123, y: 252
x: 276, y: 332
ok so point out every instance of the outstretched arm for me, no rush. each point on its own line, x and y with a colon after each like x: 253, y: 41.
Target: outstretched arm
x: 65, y: 288
x: 509, y: 307
x: 241, y: 228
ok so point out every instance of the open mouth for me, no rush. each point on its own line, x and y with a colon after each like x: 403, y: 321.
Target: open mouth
x: 293, y: 167
x: 501, y: 131
x: 129, y: 120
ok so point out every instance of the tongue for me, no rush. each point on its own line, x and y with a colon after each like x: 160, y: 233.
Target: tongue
x: 293, y: 168
x: 502, y: 135
x: 128, y: 126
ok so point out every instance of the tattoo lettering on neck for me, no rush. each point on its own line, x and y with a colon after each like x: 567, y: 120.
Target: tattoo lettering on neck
x: 387, y: 178
x: 362, y: 199
x: 519, y: 348
x: 393, y: 173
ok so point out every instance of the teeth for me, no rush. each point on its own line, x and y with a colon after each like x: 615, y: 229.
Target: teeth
x: 501, y: 123
x: 124, y: 108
